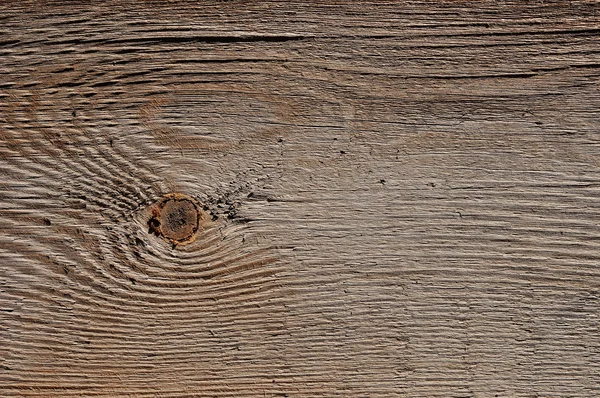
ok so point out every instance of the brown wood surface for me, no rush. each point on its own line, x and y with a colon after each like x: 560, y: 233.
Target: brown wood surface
x: 402, y: 199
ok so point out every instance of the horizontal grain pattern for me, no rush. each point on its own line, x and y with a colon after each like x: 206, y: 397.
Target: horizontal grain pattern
x: 404, y: 199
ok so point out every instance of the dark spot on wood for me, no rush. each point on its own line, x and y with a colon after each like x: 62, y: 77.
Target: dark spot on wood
x: 47, y: 221
x: 176, y: 218
x: 154, y: 226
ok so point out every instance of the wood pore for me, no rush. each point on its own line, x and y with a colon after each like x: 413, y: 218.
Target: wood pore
x: 401, y: 199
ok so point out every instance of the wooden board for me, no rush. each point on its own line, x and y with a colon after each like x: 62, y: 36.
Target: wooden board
x: 401, y: 199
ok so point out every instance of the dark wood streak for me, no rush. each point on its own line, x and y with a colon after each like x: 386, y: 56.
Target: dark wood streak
x: 397, y: 199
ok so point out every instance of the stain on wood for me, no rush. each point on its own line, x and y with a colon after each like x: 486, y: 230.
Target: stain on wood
x: 395, y: 199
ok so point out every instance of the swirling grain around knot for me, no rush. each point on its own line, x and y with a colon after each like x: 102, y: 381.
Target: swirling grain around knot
x: 85, y: 286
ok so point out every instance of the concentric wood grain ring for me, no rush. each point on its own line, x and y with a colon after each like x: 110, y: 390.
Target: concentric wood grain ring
x: 176, y: 218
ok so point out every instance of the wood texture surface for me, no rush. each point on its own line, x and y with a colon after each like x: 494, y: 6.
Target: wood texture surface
x: 403, y: 199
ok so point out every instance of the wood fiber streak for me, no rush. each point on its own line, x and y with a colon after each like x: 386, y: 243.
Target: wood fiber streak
x: 402, y: 199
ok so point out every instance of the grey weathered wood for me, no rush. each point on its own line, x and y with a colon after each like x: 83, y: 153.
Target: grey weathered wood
x: 405, y: 199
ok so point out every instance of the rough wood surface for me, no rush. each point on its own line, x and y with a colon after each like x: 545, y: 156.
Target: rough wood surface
x: 404, y: 199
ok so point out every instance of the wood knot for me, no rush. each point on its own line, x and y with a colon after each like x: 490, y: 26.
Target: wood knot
x: 176, y: 218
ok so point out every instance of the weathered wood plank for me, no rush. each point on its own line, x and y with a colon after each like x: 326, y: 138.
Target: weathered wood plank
x: 401, y: 199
